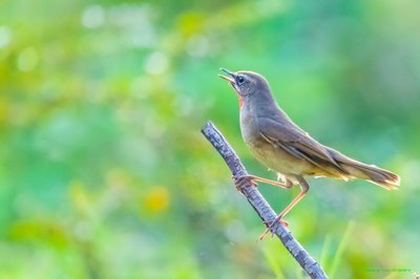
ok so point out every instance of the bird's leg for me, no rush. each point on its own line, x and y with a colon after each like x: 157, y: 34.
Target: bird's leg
x: 241, y: 180
x: 304, y: 186
x: 286, y: 185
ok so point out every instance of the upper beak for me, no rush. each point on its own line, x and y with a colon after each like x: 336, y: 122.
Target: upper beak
x: 230, y: 76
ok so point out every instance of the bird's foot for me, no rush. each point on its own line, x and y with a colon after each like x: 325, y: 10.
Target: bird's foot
x: 243, y: 181
x: 271, y: 226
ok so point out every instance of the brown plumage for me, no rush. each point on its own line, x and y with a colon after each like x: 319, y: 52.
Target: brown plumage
x: 277, y: 142
x: 324, y: 161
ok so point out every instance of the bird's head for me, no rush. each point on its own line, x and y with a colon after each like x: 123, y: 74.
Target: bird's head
x: 249, y: 86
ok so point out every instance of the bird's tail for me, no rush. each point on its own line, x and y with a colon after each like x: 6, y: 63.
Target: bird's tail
x: 378, y: 176
x: 371, y: 173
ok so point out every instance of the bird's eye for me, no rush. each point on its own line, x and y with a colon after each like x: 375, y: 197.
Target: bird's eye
x: 240, y: 79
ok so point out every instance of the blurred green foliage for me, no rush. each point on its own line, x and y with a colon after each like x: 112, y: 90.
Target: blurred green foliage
x: 104, y: 173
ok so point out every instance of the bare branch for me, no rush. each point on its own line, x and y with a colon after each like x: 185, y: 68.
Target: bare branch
x: 261, y: 206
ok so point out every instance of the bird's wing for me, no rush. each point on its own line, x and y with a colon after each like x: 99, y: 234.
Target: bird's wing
x: 296, y: 142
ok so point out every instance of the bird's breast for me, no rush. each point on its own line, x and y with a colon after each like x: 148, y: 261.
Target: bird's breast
x: 249, y: 126
x: 251, y: 132
x: 270, y: 155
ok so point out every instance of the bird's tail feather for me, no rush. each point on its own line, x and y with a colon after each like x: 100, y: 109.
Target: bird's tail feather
x: 378, y: 176
x: 371, y: 173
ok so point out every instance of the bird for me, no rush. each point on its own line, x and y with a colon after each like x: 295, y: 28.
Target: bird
x: 282, y: 146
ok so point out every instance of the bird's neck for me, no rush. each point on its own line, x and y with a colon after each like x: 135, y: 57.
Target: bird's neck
x: 260, y: 103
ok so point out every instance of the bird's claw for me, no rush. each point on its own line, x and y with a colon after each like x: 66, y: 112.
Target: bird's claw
x: 270, y: 226
x: 243, y: 181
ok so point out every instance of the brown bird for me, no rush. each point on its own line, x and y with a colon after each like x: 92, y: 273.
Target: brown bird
x: 277, y: 142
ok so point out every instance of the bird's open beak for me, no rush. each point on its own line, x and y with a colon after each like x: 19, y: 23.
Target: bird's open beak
x: 228, y: 75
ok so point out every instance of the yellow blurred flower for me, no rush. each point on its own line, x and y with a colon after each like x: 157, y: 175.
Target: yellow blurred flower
x: 157, y: 200
x: 190, y: 23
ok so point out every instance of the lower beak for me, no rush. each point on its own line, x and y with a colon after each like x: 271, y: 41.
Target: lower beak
x: 229, y: 76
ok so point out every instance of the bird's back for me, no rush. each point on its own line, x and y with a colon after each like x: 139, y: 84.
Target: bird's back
x: 280, y: 144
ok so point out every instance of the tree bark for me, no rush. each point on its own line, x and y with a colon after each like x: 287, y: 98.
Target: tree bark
x: 261, y: 206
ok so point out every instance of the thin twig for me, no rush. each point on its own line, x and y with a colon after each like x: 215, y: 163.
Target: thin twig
x: 261, y: 206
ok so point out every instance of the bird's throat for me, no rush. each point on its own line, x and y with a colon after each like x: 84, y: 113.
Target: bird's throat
x: 241, y: 101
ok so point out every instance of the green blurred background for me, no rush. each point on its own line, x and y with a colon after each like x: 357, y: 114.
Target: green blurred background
x: 104, y: 172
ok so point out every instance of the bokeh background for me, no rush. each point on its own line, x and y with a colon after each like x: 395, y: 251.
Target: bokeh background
x: 104, y: 172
